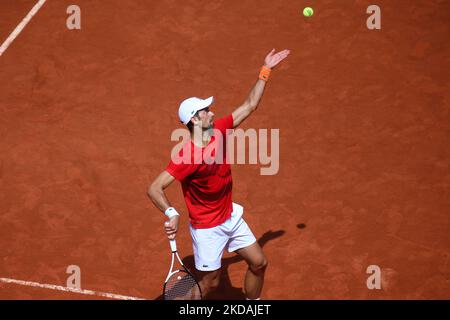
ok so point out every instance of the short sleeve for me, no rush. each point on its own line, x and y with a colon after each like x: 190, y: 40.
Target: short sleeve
x: 179, y: 169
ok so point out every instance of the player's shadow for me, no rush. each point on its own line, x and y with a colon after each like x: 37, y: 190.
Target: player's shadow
x: 226, y: 291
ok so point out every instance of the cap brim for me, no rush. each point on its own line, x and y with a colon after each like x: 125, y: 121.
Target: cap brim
x: 201, y: 105
x: 206, y: 103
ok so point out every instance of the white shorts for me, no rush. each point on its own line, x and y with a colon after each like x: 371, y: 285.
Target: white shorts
x: 210, y: 243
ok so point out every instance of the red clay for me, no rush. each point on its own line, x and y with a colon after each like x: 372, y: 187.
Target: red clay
x: 86, y: 118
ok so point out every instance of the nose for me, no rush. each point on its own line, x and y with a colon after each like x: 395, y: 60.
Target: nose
x: 211, y: 113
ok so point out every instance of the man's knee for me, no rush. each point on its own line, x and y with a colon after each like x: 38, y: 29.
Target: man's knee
x: 210, y: 281
x: 214, y: 284
x: 259, y: 265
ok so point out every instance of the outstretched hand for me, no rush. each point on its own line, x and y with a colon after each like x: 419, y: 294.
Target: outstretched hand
x: 272, y: 59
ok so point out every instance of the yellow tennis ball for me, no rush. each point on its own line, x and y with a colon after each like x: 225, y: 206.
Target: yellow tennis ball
x: 308, y: 12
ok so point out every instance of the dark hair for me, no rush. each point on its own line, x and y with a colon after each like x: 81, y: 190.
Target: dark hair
x: 190, y: 125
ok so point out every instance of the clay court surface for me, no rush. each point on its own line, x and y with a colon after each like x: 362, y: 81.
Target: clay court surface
x: 364, y: 118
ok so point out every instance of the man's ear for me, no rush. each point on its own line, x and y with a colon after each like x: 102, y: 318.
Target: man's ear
x: 196, y: 121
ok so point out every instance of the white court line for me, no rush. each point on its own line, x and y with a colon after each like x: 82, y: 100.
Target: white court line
x: 21, y: 25
x: 67, y: 289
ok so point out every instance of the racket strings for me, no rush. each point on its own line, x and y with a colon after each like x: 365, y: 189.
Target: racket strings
x: 182, y: 286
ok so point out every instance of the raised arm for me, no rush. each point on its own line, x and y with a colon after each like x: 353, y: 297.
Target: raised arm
x: 251, y: 103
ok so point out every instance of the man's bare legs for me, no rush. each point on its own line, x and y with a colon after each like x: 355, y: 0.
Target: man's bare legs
x: 209, y: 281
x: 257, y: 264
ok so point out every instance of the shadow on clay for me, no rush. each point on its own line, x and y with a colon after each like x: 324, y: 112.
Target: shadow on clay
x: 226, y: 291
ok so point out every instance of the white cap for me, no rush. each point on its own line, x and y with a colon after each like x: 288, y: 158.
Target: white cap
x: 190, y: 106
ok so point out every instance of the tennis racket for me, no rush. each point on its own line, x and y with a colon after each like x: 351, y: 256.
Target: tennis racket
x: 180, y: 284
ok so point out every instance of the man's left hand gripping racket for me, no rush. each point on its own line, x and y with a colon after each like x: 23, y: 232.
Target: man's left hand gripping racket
x: 180, y: 284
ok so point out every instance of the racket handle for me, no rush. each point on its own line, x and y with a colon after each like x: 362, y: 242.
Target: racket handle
x: 173, y: 245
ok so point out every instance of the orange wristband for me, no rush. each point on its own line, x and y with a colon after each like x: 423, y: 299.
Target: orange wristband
x: 264, y: 73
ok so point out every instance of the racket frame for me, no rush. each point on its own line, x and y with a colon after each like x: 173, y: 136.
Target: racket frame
x: 173, y: 247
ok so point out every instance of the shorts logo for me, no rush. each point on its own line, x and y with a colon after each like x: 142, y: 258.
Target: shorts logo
x: 205, y: 266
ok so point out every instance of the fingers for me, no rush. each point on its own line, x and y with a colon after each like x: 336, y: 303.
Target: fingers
x: 273, y: 59
x: 171, y: 237
x: 170, y: 230
x: 283, y: 54
x: 270, y: 54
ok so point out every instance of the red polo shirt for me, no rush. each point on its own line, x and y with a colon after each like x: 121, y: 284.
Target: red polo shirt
x: 206, y: 178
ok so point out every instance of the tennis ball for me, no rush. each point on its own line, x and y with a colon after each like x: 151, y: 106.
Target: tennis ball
x: 308, y: 12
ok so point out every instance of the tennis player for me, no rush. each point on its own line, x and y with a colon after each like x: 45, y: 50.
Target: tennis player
x: 216, y: 222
